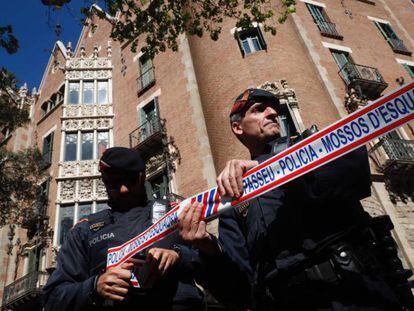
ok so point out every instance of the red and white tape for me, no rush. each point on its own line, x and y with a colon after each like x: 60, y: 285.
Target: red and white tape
x: 380, y: 117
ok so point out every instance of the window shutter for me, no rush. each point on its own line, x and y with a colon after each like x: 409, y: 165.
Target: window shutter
x: 237, y: 37
x: 379, y: 26
x: 261, y: 38
x: 410, y: 70
x: 51, y: 146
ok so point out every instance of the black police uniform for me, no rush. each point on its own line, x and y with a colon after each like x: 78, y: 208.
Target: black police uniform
x: 83, y: 257
x: 302, y: 246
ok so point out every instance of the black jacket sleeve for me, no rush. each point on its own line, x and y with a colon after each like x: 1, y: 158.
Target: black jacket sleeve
x: 70, y: 287
x: 228, y: 275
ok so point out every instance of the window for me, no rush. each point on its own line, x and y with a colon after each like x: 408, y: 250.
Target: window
x: 84, y: 210
x: 68, y: 218
x: 251, y: 40
x: 92, y: 145
x: 87, y: 146
x: 157, y: 186
x: 103, y: 92
x: 103, y: 143
x: 88, y: 92
x: 100, y: 206
x: 45, y: 108
x: 393, y: 40
x: 410, y: 69
x: 42, y: 197
x: 343, y: 58
x: 55, y: 100
x: 66, y: 221
x: 146, y: 73
x: 149, y: 121
x: 74, y: 93
x: 321, y: 19
x: 47, y: 148
x: 71, y: 142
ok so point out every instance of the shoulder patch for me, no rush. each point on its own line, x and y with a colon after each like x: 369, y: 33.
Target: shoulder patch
x: 243, y: 209
x: 96, y: 226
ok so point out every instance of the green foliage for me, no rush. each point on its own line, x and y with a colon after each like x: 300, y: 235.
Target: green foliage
x: 160, y: 22
x: 7, y: 40
x: 20, y: 174
x: 12, y: 114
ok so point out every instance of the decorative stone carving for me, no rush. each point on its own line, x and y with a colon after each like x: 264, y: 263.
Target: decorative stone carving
x: 100, y: 189
x: 102, y: 110
x: 85, y: 189
x: 71, y: 111
x: 353, y: 101
x: 102, y: 63
x: 74, y: 63
x: 154, y: 164
x: 86, y: 124
x: 87, y: 110
x: 69, y: 169
x: 103, y: 123
x: 102, y: 74
x: 88, y: 168
x: 88, y: 63
x: 73, y: 74
x: 67, y: 190
x: 70, y: 125
x: 88, y: 74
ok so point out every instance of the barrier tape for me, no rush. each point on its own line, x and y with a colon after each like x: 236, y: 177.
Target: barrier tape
x: 376, y: 119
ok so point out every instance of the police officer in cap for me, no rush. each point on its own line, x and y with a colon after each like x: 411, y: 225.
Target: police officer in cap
x: 307, y: 245
x: 80, y: 281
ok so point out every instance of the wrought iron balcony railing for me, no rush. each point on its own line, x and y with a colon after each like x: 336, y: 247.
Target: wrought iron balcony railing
x: 146, y: 80
x: 367, y: 80
x: 24, y: 290
x: 328, y: 29
x: 393, y: 152
x: 398, y: 46
x: 147, y: 134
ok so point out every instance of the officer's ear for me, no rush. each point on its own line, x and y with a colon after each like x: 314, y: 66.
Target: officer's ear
x: 236, y: 128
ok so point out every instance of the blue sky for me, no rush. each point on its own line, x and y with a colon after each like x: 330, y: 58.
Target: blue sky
x: 29, y: 21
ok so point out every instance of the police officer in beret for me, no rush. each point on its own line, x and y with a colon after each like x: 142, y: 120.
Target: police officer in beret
x: 80, y: 281
x: 307, y: 245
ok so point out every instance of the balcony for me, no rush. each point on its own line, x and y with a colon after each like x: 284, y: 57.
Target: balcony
x: 328, y: 29
x: 366, y: 80
x: 148, y: 136
x: 146, y: 80
x: 395, y: 159
x: 25, y: 293
x: 398, y: 46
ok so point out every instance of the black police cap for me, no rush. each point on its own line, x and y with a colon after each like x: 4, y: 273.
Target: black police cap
x: 121, y: 158
x: 251, y: 96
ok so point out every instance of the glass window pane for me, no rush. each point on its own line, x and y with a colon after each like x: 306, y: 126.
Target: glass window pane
x: 256, y: 44
x: 74, y: 93
x: 246, y: 46
x: 102, y: 92
x: 101, y: 206
x: 87, y: 146
x: 84, y: 210
x: 103, y: 143
x: 66, y: 217
x: 88, y: 92
x: 71, y: 142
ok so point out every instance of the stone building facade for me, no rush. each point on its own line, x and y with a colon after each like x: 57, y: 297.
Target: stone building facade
x: 329, y: 58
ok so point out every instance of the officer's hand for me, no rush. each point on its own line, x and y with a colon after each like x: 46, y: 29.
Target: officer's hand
x: 114, y: 283
x: 230, y: 180
x: 193, y: 231
x: 161, y: 259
